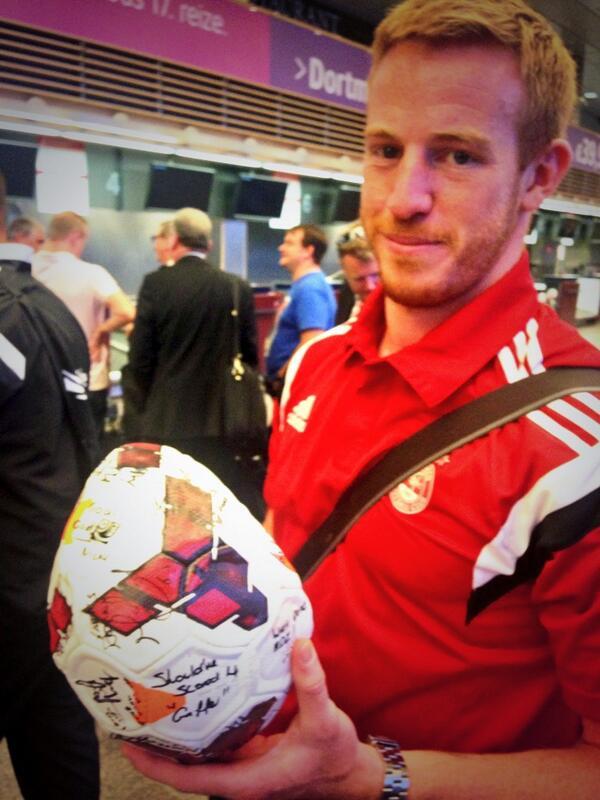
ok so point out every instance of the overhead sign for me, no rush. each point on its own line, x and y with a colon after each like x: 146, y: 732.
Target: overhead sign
x: 586, y: 149
x: 220, y: 36
x: 228, y: 38
x: 319, y: 66
x: 217, y: 35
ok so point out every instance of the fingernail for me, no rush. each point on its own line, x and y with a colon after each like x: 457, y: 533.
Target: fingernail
x: 306, y: 651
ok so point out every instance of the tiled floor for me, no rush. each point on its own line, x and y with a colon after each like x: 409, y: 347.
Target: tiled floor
x: 119, y: 780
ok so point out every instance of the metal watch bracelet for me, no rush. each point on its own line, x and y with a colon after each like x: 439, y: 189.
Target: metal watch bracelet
x: 396, y: 783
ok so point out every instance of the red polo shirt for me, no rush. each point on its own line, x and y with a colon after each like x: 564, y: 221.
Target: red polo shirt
x: 391, y: 602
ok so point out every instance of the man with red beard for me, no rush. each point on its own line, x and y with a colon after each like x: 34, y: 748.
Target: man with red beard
x: 468, y: 106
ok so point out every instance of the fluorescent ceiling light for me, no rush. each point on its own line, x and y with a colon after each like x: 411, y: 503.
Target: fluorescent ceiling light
x: 269, y: 166
x: 80, y: 136
x: 144, y: 145
x: 34, y: 116
x: 312, y: 172
x: 114, y: 141
x: 36, y: 130
x: 218, y: 158
x: 570, y: 207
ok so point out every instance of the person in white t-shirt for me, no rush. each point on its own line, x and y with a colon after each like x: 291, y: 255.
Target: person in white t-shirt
x: 89, y: 291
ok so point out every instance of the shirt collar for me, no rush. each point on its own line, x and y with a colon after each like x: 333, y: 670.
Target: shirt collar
x: 13, y: 251
x: 453, y: 352
x: 196, y: 254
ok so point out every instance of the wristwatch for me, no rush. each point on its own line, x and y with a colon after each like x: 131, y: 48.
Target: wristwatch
x: 396, y: 783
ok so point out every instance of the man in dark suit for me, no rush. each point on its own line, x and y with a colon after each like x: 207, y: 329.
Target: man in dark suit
x: 182, y: 342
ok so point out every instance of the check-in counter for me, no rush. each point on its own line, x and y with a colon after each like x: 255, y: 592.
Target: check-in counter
x: 568, y: 290
x: 588, y: 300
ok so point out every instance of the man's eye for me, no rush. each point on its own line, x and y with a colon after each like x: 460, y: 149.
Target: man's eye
x: 387, y: 151
x: 460, y: 157
x: 390, y: 151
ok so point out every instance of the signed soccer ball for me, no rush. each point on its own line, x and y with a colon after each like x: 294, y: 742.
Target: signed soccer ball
x: 171, y: 611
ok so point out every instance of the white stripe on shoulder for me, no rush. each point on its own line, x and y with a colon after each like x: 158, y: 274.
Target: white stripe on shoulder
x: 557, y: 489
x: 12, y: 357
x: 524, y: 357
x: 554, y: 428
x: 589, y: 400
x: 295, y: 362
x: 576, y: 416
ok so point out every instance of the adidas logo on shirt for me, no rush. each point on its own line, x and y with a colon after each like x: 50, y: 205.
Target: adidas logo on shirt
x: 298, y: 416
x: 75, y: 382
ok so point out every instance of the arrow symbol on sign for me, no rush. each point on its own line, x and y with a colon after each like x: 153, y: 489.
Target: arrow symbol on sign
x: 301, y: 69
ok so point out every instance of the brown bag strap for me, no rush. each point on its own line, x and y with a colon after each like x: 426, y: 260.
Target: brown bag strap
x: 470, y: 421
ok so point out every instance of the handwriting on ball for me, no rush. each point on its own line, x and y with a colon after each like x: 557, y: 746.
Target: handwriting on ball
x: 195, y: 678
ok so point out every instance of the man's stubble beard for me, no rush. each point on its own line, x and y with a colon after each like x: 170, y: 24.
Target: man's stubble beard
x: 472, y: 263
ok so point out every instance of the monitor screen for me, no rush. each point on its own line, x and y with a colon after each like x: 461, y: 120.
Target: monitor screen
x: 347, y: 204
x: 17, y: 164
x: 568, y: 228
x: 179, y: 187
x: 259, y: 197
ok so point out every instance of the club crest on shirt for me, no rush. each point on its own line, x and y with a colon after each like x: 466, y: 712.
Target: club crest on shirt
x: 413, y: 495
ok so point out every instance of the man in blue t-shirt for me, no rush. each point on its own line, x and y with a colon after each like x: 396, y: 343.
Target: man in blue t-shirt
x: 310, y: 306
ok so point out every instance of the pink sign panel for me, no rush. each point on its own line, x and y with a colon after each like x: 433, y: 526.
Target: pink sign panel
x: 215, y: 35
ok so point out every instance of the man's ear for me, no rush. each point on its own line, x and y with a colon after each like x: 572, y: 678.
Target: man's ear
x: 542, y: 176
x: 76, y: 242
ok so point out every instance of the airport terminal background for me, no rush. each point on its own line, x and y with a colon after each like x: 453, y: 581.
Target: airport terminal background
x: 127, y: 136
x: 132, y: 130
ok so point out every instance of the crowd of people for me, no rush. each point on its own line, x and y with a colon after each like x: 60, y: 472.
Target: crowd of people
x: 57, y: 312
x: 456, y: 647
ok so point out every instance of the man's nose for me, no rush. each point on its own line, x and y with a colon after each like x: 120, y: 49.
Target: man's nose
x: 412, y: 189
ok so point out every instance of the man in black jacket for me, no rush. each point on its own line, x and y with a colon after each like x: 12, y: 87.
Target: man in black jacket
x: 182, y: 342
x: 46, y: 452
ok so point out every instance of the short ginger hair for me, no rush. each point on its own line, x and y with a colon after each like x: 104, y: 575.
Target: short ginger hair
x: 64, y: 224
x: 547, y: 69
